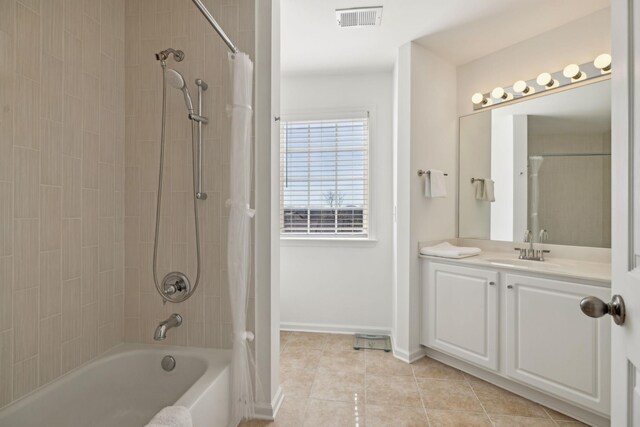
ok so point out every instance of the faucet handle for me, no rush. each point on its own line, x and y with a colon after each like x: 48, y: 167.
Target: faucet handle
x: 544, y: 235
x: 528, y: 236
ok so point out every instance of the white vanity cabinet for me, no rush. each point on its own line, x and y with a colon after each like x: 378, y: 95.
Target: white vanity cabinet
x: 522, y: 327
x: 551, y: 345
x: 462, y: 310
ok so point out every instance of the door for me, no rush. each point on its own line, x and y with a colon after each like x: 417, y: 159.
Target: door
x: 625, y: 126
x: 545, y: 335
x: 462, y: 309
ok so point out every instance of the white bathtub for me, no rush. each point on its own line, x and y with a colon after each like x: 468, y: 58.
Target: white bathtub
x: 127, y: 386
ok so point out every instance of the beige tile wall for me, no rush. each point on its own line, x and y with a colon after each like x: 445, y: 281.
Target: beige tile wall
x: 61, y: 187
x: 575, y: 192
x: 150, y: 27
x: 75, y: 246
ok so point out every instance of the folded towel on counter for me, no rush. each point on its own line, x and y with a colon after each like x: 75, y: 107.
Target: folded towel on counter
x: 435, y: 185
x: 172, y: 416
x: 447, y: 250
x: 484, y: 190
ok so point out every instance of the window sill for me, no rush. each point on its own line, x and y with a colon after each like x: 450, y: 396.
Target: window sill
x: 328, y: 242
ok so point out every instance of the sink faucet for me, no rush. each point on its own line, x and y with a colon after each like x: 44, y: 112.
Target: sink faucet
x: 530, y: 253
x: 173, y: 321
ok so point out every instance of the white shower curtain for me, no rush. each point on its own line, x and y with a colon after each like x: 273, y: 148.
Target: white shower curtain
x: 535, y: 162
x: 238, y: 238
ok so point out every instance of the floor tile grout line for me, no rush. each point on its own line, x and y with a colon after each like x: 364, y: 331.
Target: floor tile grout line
x: 424, y: 407
x: 479, y: 401
x: 365, y: 383
x: 308, y: 399
x: 549, y: 415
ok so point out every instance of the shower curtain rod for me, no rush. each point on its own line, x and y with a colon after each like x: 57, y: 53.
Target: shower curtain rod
x: 215, y: 25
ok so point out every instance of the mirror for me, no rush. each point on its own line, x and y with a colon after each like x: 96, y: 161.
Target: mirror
x: 548, y: 160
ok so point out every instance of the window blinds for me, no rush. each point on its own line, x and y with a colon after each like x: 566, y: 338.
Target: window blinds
x: 324, y: 177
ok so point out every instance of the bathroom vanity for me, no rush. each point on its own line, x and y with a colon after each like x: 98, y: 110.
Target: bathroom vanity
x: 518, y: 324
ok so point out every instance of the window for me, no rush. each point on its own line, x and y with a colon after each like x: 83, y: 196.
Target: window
x: 324, y: 177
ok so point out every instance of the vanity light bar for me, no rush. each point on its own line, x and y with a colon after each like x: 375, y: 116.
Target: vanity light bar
x: 572, y: 73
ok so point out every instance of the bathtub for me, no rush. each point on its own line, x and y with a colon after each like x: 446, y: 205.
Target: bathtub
x: 126, y: 387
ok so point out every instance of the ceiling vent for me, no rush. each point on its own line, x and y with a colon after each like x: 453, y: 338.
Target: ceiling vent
x: 359, y: 17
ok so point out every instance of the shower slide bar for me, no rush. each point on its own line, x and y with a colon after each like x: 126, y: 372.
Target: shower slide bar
x: 199, y: 119
x: 215, y: 26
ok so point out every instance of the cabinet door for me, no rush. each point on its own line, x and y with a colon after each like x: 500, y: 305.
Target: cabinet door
x: 552, y: 346
x: 462, y: 312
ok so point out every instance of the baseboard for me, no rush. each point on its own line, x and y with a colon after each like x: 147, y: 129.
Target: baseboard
x: 267, y: 411
x: 334, y: 329
x: 406, y: 356
x: 576, y: 412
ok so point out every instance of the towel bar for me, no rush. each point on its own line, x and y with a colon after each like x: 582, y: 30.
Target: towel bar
x: 477, y: 179
x: 427, y: 172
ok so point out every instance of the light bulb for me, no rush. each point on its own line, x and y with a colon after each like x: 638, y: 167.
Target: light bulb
x: 572, y: 71
x: 499, y: 93
x: 478, y: 99
x: 546, y: 80
x: 522, y: 87
x: 603, y: 63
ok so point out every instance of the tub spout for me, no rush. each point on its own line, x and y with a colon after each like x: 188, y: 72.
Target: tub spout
x: 173, y: 321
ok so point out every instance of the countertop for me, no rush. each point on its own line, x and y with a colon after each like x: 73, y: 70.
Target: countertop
x: 599, y: 272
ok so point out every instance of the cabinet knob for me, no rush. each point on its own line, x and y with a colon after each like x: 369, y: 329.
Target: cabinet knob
x: 492, y: 283
x: 509, y: 286
x: 595, y: 307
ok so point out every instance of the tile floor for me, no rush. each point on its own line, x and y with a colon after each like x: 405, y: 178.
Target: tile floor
x: 327, y: 383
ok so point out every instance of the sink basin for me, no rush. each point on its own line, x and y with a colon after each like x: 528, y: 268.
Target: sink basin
x: 521, y: 263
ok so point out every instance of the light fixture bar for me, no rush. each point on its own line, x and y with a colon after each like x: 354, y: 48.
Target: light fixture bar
x: 544, y: 82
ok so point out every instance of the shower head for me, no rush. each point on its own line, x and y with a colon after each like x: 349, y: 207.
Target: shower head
x: 176, y: 80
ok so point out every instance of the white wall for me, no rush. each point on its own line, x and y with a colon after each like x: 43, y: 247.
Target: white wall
x: 401, y: 200
x: 577, y: 42
x: 344, y: 286
x: 427, y: 142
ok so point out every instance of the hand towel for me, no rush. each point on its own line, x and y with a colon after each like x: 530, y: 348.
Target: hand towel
x: 489, y: 195
x: 479, y: 189
x: 435, y: 185
x: 172, y: 416
x: 447, y: 250
x: 484, y: 190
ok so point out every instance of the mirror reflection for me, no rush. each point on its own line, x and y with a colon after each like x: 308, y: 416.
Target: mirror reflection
x: 541, y: 165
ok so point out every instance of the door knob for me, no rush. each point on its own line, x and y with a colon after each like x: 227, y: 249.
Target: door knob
x: 595, y: 307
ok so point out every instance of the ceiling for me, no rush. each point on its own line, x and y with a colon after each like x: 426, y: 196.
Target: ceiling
x: 312, y: 43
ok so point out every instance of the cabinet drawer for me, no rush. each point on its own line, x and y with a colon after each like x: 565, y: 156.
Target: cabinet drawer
x: 462, y: 312
x: 552, y: 346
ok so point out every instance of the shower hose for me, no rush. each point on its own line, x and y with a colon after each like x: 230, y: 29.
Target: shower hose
x: 159, y: 200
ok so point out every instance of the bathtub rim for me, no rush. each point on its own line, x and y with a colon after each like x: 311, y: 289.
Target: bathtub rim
x: 216, y: 361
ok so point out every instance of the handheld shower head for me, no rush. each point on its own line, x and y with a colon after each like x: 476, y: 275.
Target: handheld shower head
x: 176, y: 80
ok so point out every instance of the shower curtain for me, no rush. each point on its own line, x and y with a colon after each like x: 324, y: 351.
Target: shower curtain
x: 239, y: 235
x: 535, y: 162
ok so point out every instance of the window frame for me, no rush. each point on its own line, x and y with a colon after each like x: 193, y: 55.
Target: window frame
x: 292, y: 239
